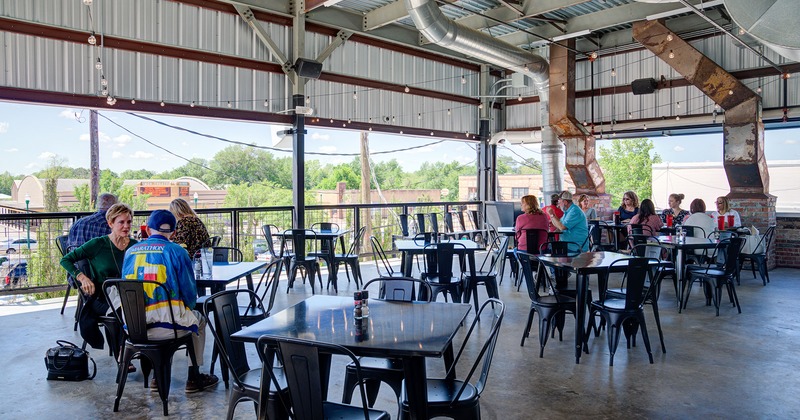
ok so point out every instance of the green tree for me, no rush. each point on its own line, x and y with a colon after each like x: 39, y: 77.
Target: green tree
x: 136, y: 174
x: 64, y: 171
x: 6, y: 181
x: 194, y: 168
x: 341, y: 173
x: 262, y: 194
x: 390, y: 175
x: 112, y: 183
x: 239, y: 164
x: 628, y: 165
x: 441, y: 175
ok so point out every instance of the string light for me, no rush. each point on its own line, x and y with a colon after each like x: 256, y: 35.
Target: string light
x: 480, y: 105
x: 730, y: 92
x: 370, y: 121
x: 563, y: 86
x: 191, y: 105
x: 669, y: 37
x: 448, y: 111
x: 593, y: 56
x: 585, y: 123
x: 355, y: 96
x: 393, y: 118
x: 677, y: 118
x: 419, y: 116
x: 98, y: 65
x: 630, y: 115
x: 266, y: 103
x: 308, y: 100
x: 613, y: 72
x: 671, y: 54
x: 401, y: 131
x: 370, y: 129
x: 110, y: 100
x: 431, y: 132
x: 331, y: 120
x: 519, y: 98
x: 407, y: 89
x: 644, y: 126
x: 786, y: 75
x: 133, y: 101
x: 758, y: 89
x: 741, y: 31
x: 463, y: 80
x: 466, y: 134
x: 348, y: 121
x: 162, y: 103
x: 92, y: 40
x: 678, y: 104
x: 103, y: 81
x: 87, y: 2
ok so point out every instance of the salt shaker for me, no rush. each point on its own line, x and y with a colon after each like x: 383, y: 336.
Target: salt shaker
x: 357, y: 308
x: 365, y: 304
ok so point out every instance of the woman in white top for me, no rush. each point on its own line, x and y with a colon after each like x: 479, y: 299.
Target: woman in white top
x: 699, y: 218
x: 724, y: 209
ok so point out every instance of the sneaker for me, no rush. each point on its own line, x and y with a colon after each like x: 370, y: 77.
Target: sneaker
x: 153, y: 385
x: 200, y: 383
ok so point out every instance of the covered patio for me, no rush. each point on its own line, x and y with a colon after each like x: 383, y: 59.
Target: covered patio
x: 733, y: 365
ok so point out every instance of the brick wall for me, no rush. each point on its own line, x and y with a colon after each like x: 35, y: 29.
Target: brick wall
x: 787, y: 241
x: 758, y: 212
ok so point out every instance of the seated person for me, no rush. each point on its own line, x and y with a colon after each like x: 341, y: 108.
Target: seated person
x: 724, y: 209
x: 700, y: 219
x: 588, y: 210
x: 531, y: 218
x: 629, y: 207
x: 553, y: 206
x: 678, y: 214
x: 647, y: 217
x: 573, y: 225
x: 158, y: 259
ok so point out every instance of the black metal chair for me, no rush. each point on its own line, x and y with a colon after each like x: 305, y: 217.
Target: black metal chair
x: 715, y: 276
x: 269, y: 232
x: 548, y: 306
x: 533, y: 242
x: 306, y: 262
x: 302, y: 367
x: 350, y: 260
x: 757, y: 258
x: 375, y: 370
x: 420, y: 219
x: 63, y: 247
x: 222, y: 310
x: 158, y: 352
x: 322, y: 252
x: 438, y: 272
x: 627, y: 313
x: 460, y: 398
x: 487, y: 274
x: 380, y: 258
x: 434, y: 219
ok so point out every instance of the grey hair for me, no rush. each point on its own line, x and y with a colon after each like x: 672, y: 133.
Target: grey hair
x: 105, y: 201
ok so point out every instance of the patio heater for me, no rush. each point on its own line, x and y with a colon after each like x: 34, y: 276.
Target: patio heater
x: 195, y: 200
x: 27, y: 204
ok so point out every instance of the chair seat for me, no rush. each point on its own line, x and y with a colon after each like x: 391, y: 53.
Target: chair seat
x: 553, y: 301
x: 713, y: 272
x: 343, y: 411
x: 380, y: 363
x: 613, y: 305
x: 442, y: 391
x: 252, y: 378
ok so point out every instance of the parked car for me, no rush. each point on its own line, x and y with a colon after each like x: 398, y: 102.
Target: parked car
x: 12, y: 246
x: 260, y: 250
x: 17, y: 275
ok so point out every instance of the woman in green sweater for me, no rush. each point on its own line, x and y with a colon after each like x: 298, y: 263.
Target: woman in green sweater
x: 104, y: 256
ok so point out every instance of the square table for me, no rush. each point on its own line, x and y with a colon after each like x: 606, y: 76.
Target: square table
x: 409, y: 248
x: 583, y: 265
x: 689, y: 243
x: 410, y: 331
x: 327, y: 240
x: 226, y: 272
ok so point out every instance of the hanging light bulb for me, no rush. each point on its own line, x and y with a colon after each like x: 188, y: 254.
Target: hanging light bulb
x: 671, y: 54
x: 480, y: 105
x: 401, y: 131
x: 678, y: 104
x: 463, y: 80
x: 103, y: 81
x: 370, y: 129
x: 466, y: 134
x: 355, y: 95
x: 348, y: 121
x: 266, y: 103
x: 344, y: 125
x: 786, y: 75
x: 370, y: 120
x: 110, y: 100
x: 669, y: 37
x: 98, y: 65
x: 431, y: 132
x: 393, y: 118
x: 519, y: 98
x: 229, y: 104
x: 92, y: 40
x: 162, y: 103
x: 331, y: 120
x: 644, y: 126
x: 104, y: 92
x: 87, y: 2
x: 308, y: 100
x: 133, y: 101
x: 192, y: 104
x: 563, y: 86
x: 449, y: 112
x: 585, y: 123
x: 407, y: 89
x: 593, y: 55
x: 419, y: 116
x: 730, y: 92
x: 741, y: 31
x: 613, y: 72
x: 630, y: 115
x: 716, y: 107
x: 677, y: 118
x: 758, y: 89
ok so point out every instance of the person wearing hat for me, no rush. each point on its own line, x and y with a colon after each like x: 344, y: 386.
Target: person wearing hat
x: 157, y: 258
x: 572, y: 225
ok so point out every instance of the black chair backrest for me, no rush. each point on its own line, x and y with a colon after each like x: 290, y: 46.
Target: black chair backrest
x: 424, y: 238
x: 301, y: 364
x: 270, y: 278
x: 475, y: 217
x: 131, y: 298
x: 268, y: 231
x: 400, y: 289
x: 214, y: 241
x: 532, y: 237
x: 222, y: 311
x: 559, y: 249
x: 532, y: 283
x: 420, y: 222
x: 637, y: 229
x: 439, y: 260
x: 298, y: 238
x: 434, y: 218
x: 484, y: 357
x: 448, y: 222
x: 637, y: 273
x: 325, y: 226
x: 595, y: 238
x: 732, y: 255
x: 636, y: 240
x: 379, y: 254
x: 403, y: 224
x: 62, y: 243
x: 694, y: 231
x: 765, y: 240
x: 495, y: 256
x: 227, y: 254
x: 356, y: 244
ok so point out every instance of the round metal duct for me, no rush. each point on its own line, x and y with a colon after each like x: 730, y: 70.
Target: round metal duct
x: 771, y: 22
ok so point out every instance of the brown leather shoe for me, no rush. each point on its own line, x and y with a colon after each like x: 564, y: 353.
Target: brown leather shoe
x: 200, y: 383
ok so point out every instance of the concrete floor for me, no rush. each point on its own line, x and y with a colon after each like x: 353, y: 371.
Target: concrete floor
x: 734, y: 365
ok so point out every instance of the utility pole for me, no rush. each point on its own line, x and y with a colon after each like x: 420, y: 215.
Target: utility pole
x: 365, y: 181
x: 94, y: 163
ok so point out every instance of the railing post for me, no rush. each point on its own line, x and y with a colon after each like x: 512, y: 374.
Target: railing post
x: 235, y: 228
x: 357, y: 223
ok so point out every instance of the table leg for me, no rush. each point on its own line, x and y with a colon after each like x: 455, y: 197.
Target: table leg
x: 416, y: 387
x: 325, y: 373
x: 582, y: 285
x: 406, y: 261
x: 332, y: 274
x: 449, y: 359
x: 679, y: 262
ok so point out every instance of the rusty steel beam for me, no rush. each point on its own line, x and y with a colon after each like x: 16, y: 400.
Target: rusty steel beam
x: 581, y: 159
x: 743, y: 131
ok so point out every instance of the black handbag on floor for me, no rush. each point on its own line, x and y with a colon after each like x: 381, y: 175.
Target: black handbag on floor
x: 68, y: 362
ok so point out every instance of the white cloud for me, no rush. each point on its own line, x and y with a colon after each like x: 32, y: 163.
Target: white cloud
x: 319, y: 136
x: 3, y: 127
x: 103, y: 137
x: 67, y: 113
x: 11, y: 150
x: 121, y: 140
x: 785, y: 142
x: 328, y: 149
x: 184, y: 143
x: 141, y: 155
x: 47, y: 155
x: 116, y: 154
x: 678, y: 149
x: 31, y: 165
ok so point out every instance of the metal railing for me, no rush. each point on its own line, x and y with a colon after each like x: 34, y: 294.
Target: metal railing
x: 237, y: 227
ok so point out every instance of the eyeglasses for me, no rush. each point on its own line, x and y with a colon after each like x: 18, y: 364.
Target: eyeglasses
x: 720, y: 202
x: 626, y: 198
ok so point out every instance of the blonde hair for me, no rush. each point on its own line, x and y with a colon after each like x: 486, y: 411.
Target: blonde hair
x: 180, y: 208
x: 726, y: 205
x: 677, y: 197
x: 533, y: 204
x: 632, y: 195
x: 117, y: 210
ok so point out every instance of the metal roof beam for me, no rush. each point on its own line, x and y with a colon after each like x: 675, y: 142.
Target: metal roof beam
x: 385, y: 15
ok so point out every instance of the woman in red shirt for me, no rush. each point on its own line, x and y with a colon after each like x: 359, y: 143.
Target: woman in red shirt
x: 531, y: 218
x: 554, y: 205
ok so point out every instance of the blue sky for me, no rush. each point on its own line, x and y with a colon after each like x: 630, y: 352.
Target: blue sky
x: 30, y: 135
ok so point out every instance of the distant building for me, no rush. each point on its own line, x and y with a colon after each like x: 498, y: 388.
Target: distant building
x: 510, y: 187
x: 707, y: 181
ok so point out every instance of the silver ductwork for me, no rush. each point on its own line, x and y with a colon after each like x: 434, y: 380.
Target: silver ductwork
x: 439, y: 29
x: 769, y: 22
